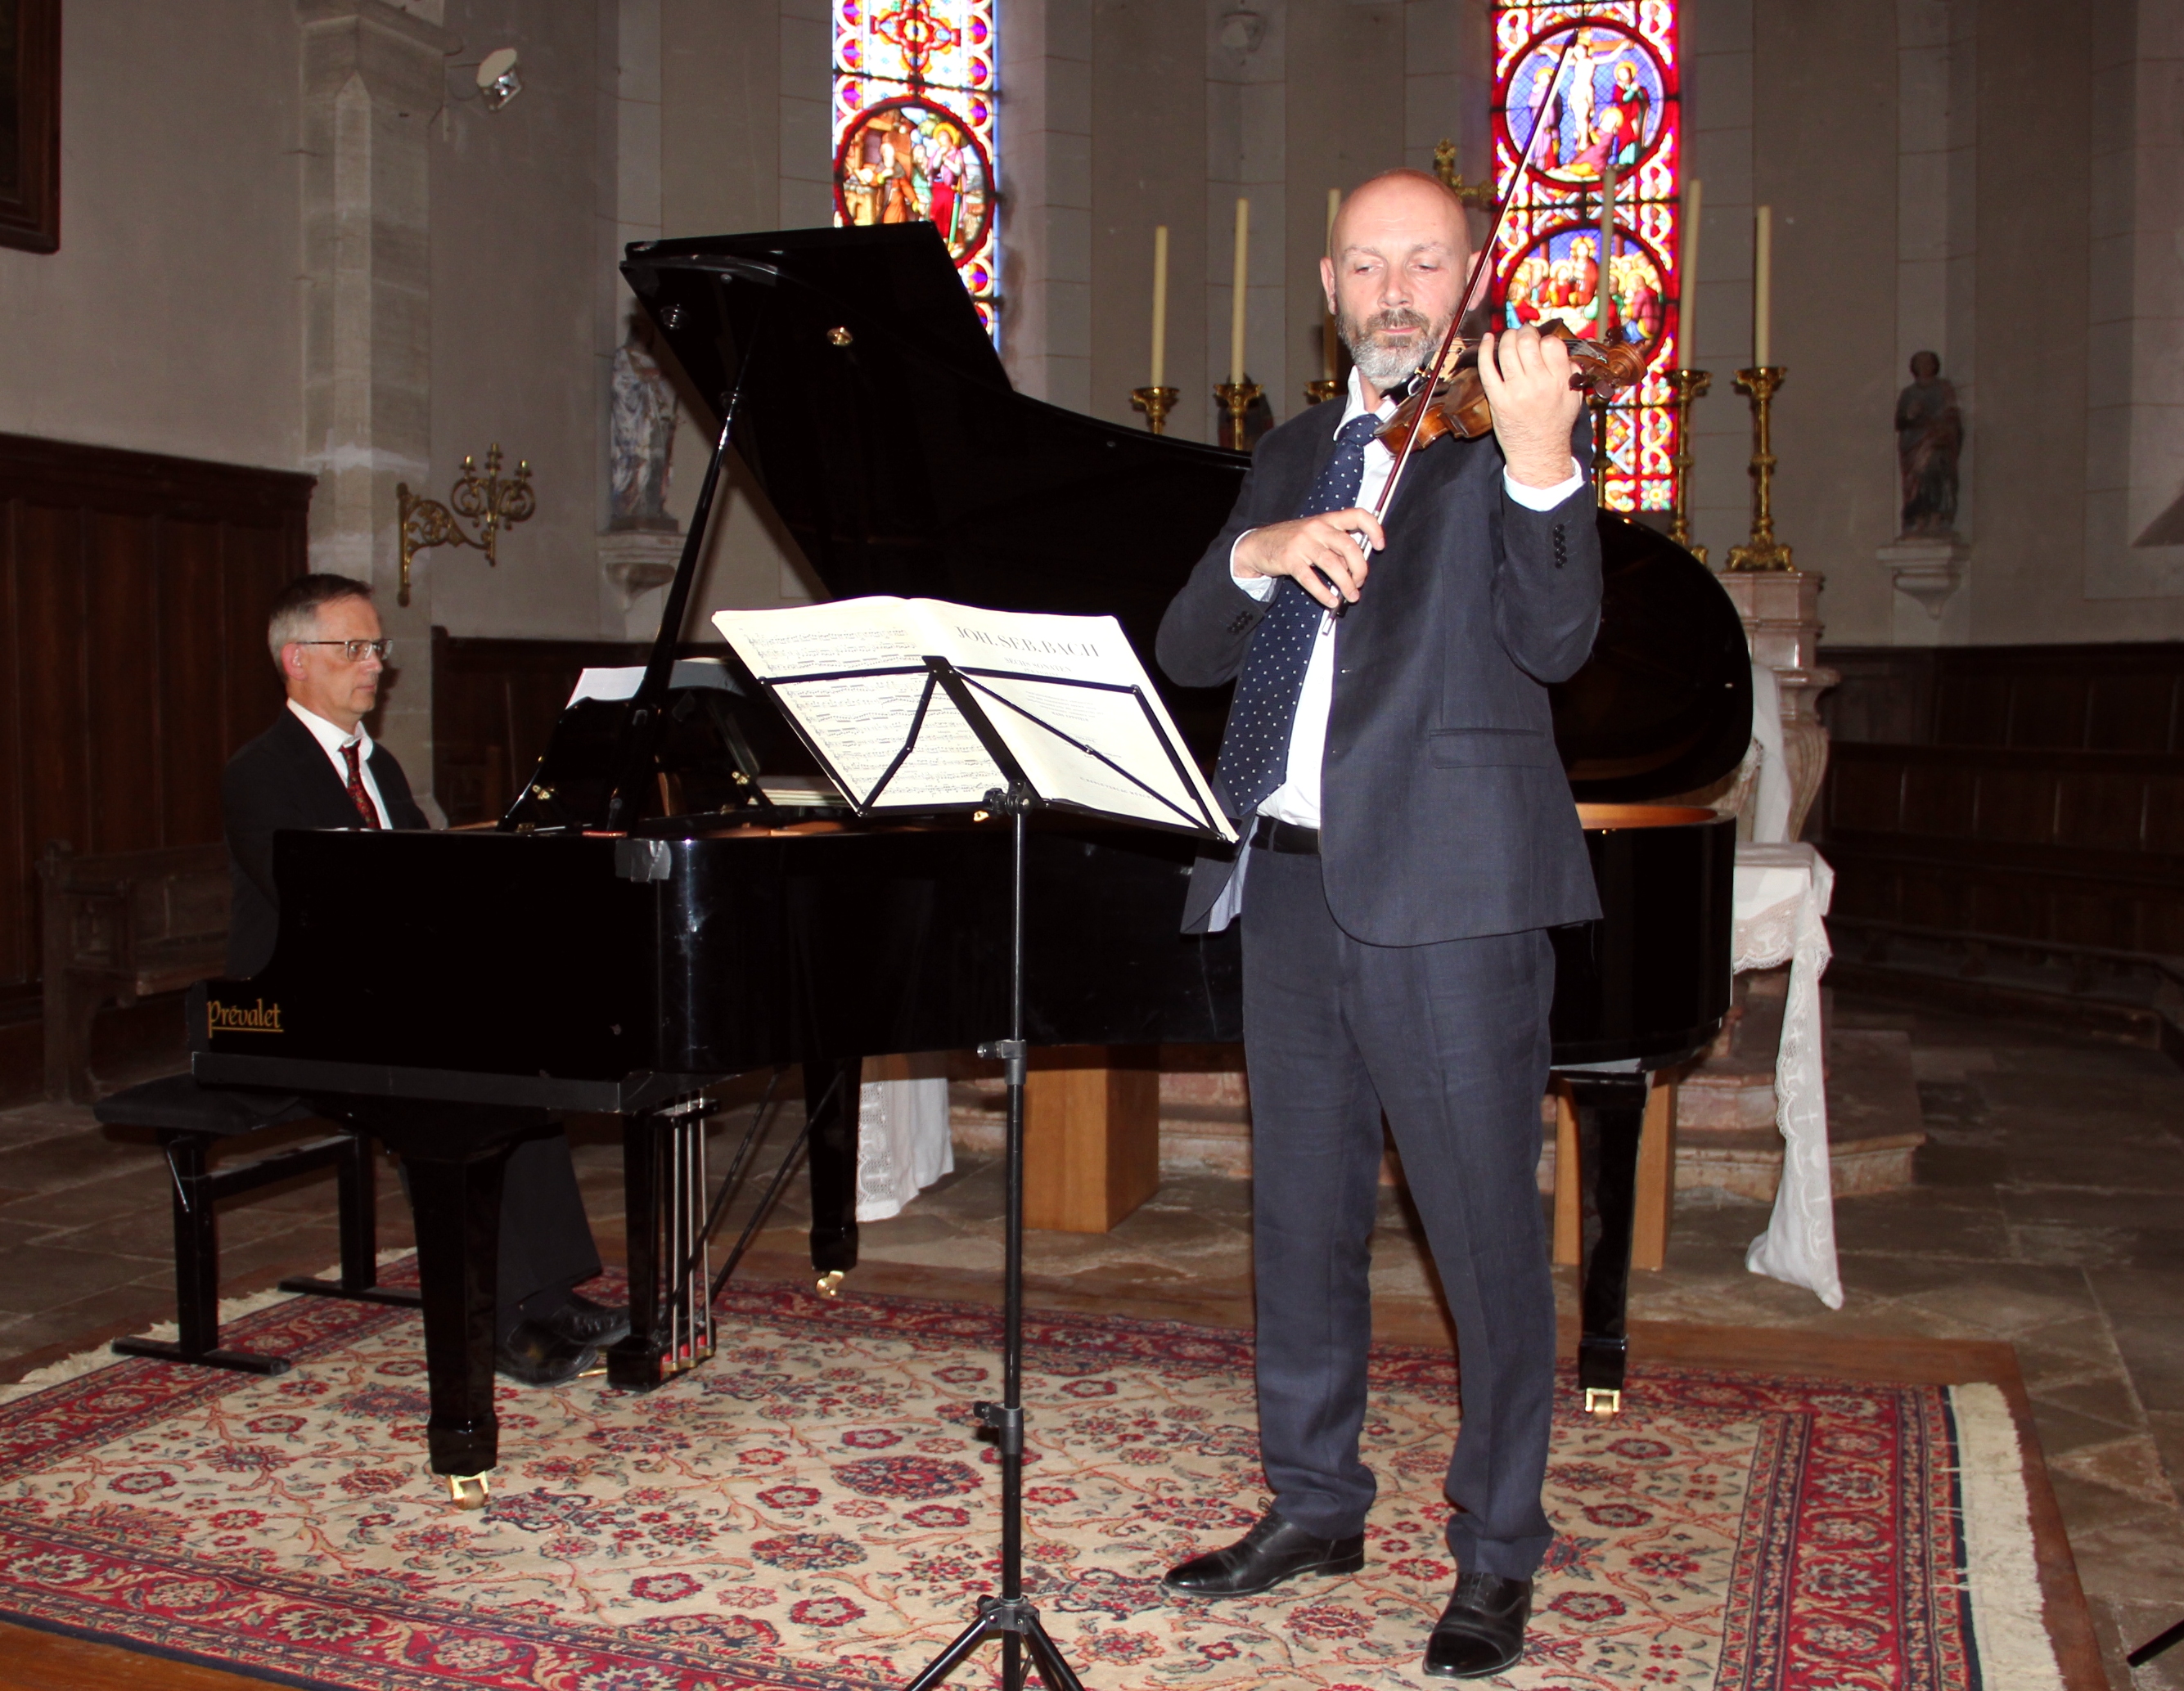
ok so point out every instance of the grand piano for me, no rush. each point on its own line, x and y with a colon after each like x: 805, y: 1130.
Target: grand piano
x: 652, y: 919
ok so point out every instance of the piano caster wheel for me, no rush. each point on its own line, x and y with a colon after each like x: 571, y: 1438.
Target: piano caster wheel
x: 469, y: 1491
x: 1602, y: 1401
x: 830, y: 1282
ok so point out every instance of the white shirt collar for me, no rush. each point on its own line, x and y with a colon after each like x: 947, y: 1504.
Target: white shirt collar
x: 1356, y: 407
x: 331, y: 738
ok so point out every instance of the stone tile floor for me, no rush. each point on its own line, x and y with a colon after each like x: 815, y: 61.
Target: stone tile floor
x: 2048, y: 1213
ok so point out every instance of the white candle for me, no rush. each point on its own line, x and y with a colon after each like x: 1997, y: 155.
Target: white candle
x: 1159, y: 303
x: 1687, y: 286
x: 1763, y: 286
x: 1327, y: 335
x: 1236, y: 305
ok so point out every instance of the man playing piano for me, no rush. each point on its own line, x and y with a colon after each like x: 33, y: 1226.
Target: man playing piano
x: 317, y: 767
x: 1411, y: 838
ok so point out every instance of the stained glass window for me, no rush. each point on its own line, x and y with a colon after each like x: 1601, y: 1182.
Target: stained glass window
x: 1616, y: 99
x: 914, y: 94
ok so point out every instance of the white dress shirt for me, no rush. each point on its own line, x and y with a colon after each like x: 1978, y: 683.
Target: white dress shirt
x: 1297, y: 798
x: 335, y: 741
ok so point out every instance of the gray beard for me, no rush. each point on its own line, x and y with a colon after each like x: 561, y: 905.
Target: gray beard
x: 1384, y: 365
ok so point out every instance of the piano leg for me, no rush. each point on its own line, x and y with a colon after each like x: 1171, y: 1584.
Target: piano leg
x: 1611, y: 1112
x: 831, y: 1092
x: 456, y: 1202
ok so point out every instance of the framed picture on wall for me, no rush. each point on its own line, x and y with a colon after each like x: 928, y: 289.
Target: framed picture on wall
x: 30, y: 125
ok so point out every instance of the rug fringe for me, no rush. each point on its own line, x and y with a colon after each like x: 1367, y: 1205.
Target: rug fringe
x: 76, y: 1366
x: 2001, y: 1572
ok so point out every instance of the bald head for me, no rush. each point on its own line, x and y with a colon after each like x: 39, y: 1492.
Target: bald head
x: 1417, y: 199
x: 1399, y: 253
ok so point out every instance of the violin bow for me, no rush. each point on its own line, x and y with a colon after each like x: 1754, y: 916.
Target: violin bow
x: 1481, y: 268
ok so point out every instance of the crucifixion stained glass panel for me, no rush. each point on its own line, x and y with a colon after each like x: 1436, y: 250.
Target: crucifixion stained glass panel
x: 1617, y: 100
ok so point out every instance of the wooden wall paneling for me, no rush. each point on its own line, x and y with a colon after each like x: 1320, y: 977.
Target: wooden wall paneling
x: 2101, y: 810
x: 1929, y: 896
x: 2165, y: 813
x: 56, y: 738
x: 18, y: 865
x: 1997, y: 902
x: 1939, y: 797
x: 124, y: 577
x: 194, y: 668
x: 1886, y: 694
x: 2047, y: 708
x: 2161, y: 928
x: 1865, y: 792
x: 2133, y: 711
x: 2015, y: 803
x: 125, y: 770
x: 257, y: 559
x: 1970, y: 709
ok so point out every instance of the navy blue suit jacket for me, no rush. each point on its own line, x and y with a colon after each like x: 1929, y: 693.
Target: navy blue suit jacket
x: 1445, y: 814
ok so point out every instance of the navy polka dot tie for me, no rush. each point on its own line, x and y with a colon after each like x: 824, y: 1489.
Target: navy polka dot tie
x: 1255, y: 751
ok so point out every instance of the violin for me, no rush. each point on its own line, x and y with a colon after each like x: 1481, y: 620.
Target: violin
x: 1455, y: 402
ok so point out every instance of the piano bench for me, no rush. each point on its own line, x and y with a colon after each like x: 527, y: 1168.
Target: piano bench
x: 188, y: 1118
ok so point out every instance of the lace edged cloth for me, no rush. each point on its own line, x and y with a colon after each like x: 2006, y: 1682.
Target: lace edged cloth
x: 1781, y: 903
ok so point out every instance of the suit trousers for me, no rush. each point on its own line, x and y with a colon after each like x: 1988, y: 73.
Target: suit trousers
x: 545, y: 1239
x: 1449, y: 1041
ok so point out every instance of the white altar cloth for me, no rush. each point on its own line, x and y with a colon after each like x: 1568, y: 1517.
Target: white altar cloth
x: 1781, y: 900
x: 903, y: 1141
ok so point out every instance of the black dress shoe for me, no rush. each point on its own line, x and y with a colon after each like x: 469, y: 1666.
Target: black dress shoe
x: 582, y: 1322
x: 1482, y: 1630
x: 1270, y: 1552
x: 534, y: 1354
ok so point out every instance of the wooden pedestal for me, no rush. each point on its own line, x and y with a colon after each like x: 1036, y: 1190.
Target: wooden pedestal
x: 1091, y: 1136
x: 1655, y: 1198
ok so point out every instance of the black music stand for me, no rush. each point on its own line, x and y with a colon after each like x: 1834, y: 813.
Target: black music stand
x: 1010, y: 1616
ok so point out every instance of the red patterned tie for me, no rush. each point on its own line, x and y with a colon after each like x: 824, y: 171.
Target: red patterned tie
x: 364, y: 808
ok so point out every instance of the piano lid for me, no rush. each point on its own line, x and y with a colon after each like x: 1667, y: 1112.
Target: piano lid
x: 879, y: 420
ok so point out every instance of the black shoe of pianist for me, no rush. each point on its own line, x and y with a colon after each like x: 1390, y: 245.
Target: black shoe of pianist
x: 582, y: 1322
x: 534, y: 1354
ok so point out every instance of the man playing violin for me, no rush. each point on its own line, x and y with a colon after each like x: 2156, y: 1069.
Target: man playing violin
x: 1410, y: 840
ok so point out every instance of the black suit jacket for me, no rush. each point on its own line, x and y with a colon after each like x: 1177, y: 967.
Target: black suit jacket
x: 283, y: 779
x: 1445, y: 814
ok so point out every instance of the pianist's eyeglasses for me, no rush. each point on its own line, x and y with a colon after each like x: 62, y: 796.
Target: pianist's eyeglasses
x: 353, y: 650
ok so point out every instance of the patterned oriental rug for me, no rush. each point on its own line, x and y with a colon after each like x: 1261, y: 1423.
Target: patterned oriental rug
x: 814, y: 1512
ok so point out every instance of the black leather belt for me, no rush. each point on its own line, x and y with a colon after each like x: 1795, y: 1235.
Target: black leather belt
x: 1269, y: 835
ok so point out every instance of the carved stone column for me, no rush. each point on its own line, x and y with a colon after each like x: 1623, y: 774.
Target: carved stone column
x: 1781, y: 611
x: 373, y: 78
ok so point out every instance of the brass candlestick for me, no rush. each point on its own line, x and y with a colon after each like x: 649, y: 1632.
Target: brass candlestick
x: 1238, y: 396
x: 1321, y: 389
x: 1690, y: 384
x: 1763, y: 552
x: 1155, y: 403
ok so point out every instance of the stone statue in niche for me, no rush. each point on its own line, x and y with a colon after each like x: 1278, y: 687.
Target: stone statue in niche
x: 1930, y: 433
x: 643, y: 435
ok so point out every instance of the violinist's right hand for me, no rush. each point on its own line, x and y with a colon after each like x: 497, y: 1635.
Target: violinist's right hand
x: 1315, y: 551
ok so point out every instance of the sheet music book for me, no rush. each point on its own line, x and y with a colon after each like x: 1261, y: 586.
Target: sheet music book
x: 1066, y: 695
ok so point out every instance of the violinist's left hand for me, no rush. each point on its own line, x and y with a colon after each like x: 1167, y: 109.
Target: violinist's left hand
x: 1527, y: 378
